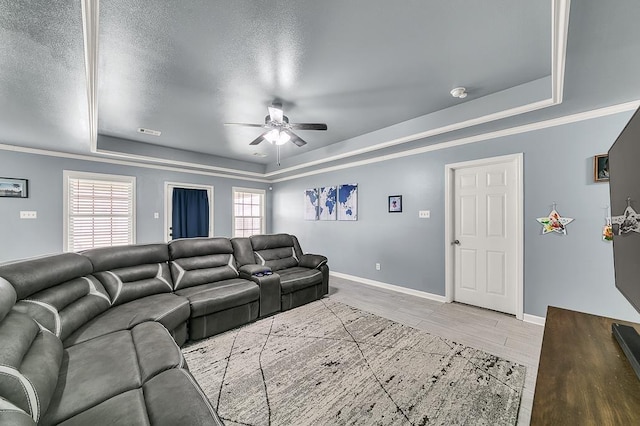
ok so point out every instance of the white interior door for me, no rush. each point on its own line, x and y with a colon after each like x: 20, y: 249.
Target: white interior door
x: 485, y: 232
x: 168, y: 205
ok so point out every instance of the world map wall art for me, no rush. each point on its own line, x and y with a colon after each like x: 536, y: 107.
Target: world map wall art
x: 331, y: 203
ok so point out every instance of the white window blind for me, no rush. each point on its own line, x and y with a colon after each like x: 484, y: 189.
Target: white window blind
x: 248, y: 212
x: 99, y: 211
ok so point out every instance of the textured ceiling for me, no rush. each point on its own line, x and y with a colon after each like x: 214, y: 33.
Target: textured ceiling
x: 43, y: 101
x: 185, y: 68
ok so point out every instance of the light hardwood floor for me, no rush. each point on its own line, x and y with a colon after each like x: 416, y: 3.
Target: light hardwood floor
x: 490, y: 331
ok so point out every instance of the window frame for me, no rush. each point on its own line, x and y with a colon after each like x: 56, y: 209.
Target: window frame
x: 263, y: 199
x: 67, y: 175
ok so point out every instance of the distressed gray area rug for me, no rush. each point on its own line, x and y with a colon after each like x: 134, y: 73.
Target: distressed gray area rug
x: 327, y: 363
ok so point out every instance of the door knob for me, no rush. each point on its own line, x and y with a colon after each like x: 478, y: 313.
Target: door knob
x: 456, y: 242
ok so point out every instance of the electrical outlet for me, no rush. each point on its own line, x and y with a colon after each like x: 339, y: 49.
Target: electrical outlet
x: 28, y: 214
x: 156, y: 215
x: 377, y: 266
x: 424, y: 214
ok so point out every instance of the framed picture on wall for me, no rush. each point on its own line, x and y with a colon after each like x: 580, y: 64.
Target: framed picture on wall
x: 601, y: 168
x: 347, y: 207
x: 327, y: 200
x: 395, y: 204
x: 311, y: 204
x: 14, y: 188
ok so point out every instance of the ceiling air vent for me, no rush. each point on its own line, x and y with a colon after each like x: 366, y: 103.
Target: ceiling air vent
x: 149, y: 131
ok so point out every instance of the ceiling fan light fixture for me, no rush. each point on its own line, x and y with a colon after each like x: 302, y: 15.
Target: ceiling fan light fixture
x: 272, y: 136
x: 280, y: 131
x: 283, y: 138
x: 277, y: 137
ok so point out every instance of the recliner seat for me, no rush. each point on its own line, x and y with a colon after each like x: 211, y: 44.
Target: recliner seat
x: 303, y: 277
x: 204, y: 271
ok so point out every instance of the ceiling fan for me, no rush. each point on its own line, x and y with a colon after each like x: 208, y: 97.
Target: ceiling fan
x: 279, y: 130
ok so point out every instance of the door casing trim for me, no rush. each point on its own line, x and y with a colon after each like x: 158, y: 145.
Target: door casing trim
x: 449, y: 228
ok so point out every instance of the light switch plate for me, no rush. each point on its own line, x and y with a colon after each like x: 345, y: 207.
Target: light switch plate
x: 28, y: 214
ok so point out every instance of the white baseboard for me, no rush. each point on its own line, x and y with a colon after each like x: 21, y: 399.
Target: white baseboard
x: 391, y: 287
x: 534, y: 319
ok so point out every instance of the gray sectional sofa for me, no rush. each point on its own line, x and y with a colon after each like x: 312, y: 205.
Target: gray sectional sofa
x: 93, y: 338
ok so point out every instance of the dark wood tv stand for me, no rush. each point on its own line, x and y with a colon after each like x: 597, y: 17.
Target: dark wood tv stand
x: 584, y: 377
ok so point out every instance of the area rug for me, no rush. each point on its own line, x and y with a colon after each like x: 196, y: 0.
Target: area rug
x: 326, y: 363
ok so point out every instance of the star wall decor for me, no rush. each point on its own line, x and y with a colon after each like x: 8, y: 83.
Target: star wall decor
x: 554, y: 223
x: 629, y: 221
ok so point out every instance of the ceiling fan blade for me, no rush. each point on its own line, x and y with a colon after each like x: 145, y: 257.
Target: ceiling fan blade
x: 244, y: 124
x: 308, y: 126
x: 259, y: 139
x: 276, y: 113
x: 296, y: 139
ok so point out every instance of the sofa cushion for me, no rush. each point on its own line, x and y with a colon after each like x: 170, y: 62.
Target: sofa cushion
x: 95, y: 371
x: 169, y: 310
x: 294, y: 279
x: 275, y: 251
x: 34, y: 275
x: 175, y: 398
x: 221, y: 295
x: 243, y: 251
x: 277, y: 258
x: 197, y: 261
x: 29, y: 363
x: 266, y: 242
x: 132, y: 272
x: 62, y: 309
x: 127, y: 408
x: 108, y: 258
x: 156, y: 349
x: 194, y: 247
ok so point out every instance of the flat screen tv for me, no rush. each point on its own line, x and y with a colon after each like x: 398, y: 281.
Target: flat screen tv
x: 624, y: 190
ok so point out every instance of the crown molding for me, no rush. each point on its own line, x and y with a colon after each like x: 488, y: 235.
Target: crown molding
x: 90, y: 22
x: 539, y: 125
x: 560, y: 21
x: 559, y: 121
x: 181, y: 164
x: 102, y: 159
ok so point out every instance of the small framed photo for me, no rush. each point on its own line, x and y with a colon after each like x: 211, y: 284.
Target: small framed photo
x: 14, y: 188
x: 601, y: 168
x: 395, y: 204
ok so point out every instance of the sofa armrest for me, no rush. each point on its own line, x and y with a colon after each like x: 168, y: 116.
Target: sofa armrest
x: 312, y: 261
x: 246, y: 271
x: 269, y: 284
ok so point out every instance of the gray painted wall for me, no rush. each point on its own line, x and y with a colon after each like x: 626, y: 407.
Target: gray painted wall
x: 573, y: 271
x: 31, y: 237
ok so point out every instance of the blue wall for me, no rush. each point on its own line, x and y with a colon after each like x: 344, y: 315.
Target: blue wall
x: 573, y: 271
x: 31, y: 237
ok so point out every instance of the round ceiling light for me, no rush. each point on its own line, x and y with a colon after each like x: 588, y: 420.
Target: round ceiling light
x: 459, y: 92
